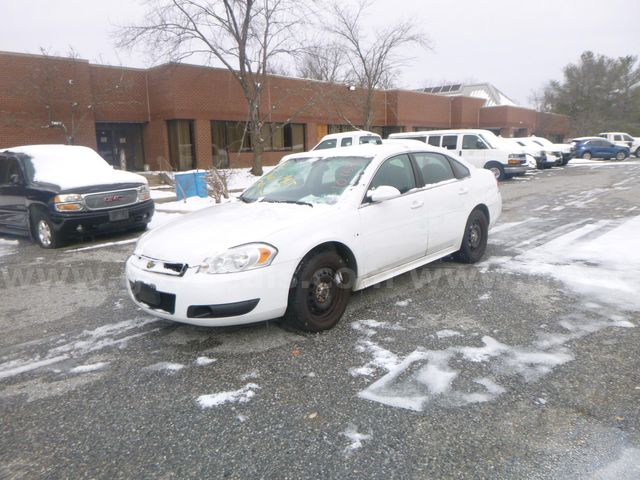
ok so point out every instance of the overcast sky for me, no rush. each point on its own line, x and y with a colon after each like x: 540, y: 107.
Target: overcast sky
x: 516, y: 45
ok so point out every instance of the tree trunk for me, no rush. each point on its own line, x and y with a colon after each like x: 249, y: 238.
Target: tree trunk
x: 257, y: 142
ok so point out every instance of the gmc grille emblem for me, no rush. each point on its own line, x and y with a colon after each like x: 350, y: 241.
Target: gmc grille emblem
x: 113, y: 198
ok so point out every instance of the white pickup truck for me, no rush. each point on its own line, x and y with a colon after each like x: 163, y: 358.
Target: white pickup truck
x: 624, y: 139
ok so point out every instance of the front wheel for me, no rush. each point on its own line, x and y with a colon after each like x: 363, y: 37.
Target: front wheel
x: 638, y: 153
x: 474, y: 242
x: 586, y: 155
x: 497, y: 170
x: 621, y: 156
x: 43, y: 231
x: 319, y: 292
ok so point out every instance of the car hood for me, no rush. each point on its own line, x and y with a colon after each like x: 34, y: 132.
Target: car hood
x: 202, y: 234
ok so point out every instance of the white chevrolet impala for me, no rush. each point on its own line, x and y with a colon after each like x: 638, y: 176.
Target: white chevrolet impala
x: 320, y: 225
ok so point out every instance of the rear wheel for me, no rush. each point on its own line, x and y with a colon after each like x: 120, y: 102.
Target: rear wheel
x: 638, y: 152
x: 319, y: 292
x: 474, y: 242
x: 43, y: 231
x: 586, y: 155
x: 621, y: 156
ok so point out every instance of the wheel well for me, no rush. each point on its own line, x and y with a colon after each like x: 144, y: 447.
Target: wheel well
x: 491, y: 163
x: 483, y: 208
x: 341, y: 249
x: 32, y: 208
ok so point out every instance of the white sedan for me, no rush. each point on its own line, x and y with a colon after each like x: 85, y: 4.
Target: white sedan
x: 317, y: 227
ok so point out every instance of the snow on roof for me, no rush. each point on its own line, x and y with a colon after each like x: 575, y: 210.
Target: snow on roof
x: 493, y: 96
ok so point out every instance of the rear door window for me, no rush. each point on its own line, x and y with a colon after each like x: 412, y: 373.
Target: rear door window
x: 435, y: 167
x: 346, y: 142
x: 373, y: 139
x: 449, y: 142
x: 434, y: 140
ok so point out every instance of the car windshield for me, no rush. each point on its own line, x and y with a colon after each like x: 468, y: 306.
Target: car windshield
x: 308, y: 181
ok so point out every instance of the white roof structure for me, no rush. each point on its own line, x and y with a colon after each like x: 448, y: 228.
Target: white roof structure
x: 486, y: 91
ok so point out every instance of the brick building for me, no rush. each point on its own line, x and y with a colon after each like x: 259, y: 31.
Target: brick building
x: 184, y: 116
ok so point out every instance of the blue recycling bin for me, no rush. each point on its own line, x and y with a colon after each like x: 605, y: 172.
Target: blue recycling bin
x: 191, y: 184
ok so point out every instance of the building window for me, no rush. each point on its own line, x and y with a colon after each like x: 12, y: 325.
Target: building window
x: 181, y: 146
x: 384, y: 132
x: 342, y: 128
x: 233, y: 137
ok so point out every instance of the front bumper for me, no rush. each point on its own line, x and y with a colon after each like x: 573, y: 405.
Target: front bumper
x: 213, y: 300
x: 516, y: 169
x: 79, y: 223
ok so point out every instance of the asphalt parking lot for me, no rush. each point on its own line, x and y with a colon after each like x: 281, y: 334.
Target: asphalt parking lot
x: 525, y: 365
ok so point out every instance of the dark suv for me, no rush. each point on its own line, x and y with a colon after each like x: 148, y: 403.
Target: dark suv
x: 54, y: 192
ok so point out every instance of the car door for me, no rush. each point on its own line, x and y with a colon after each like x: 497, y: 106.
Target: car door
x: 474, y: 150
x: 446, y: 199
x: 393, y: 232
x: 13, y: 210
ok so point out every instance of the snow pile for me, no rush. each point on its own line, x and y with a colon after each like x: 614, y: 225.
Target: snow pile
x: 240, y: 178
x: 243, y: 395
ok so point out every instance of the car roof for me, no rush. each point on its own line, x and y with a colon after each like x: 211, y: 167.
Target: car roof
x: 33, y: 150
x: 443, y: 132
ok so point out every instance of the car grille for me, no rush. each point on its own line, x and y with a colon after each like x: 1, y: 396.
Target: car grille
x: 120, y: 198
x: 158, y: 266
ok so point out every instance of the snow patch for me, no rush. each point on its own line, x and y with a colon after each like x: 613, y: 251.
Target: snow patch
x: 92, y: 367
x: 243, y: 395
x: 7, y: 246
x: 203, y: 361
x: 164, y: 366
x: 447, y: 333
x: 356, y: 439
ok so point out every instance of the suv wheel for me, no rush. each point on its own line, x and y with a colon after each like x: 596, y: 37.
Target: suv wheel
x: 43, y: 231
x: 621, y: 156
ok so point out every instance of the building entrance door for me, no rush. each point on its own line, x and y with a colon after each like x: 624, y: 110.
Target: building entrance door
x: 121, y: 142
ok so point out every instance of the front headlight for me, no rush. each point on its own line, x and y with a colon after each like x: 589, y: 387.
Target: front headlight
x: 69, y: 202
x: 240, y: 259
x: 143, y: 193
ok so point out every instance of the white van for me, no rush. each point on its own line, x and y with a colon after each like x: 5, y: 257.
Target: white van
x: 481, y: 148
x: 348, y: 139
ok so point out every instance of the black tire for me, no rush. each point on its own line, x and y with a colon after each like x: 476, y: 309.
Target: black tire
x: 638, y: 153
x: 474, y: 242
x: 319, y: 292
x: 565, y: 161
x: 43, y: 231
x: 586, y: 155
x: 621, y: 156
x: 497, y: 169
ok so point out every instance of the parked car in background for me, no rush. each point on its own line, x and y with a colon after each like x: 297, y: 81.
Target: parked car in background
x: 318, y: 226
x: 566, y: 150
x: 596, y: 147
x: 624, y: 139
x: 52, y: 193
x: 543, y: 159
x: 348, y: 139
x: 481, y: 148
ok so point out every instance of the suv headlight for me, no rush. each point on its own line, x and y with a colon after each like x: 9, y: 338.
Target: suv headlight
x: 240, y: 259
x: 69, y: 202
x: 143, y: 193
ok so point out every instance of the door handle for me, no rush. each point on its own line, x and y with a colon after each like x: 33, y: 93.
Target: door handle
x: 417, y: 204
x: 463, y: 191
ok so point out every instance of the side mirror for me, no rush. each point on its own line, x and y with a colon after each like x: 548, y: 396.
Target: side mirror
x: 382, y: 193
x: 15, y: 179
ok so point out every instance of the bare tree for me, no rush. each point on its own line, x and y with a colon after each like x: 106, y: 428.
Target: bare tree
x: 373, y: 60
x: 246, y: 36
x: 322, y: 62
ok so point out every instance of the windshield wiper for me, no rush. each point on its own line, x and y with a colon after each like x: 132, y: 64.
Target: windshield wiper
x: 296, y: 202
